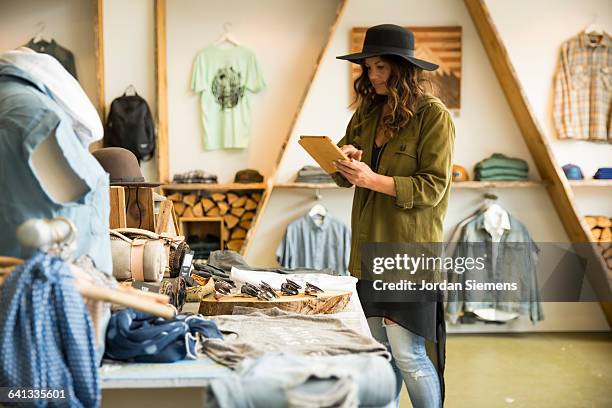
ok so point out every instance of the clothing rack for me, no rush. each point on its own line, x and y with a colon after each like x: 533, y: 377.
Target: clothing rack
x: 48, y: 235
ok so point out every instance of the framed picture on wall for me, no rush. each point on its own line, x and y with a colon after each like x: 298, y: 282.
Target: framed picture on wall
x: 438, y: 44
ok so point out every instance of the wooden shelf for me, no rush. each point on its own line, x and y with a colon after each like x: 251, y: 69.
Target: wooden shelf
x: 200, y: 219
x: 308, y: 185
x: 214, y: 187
x: 498, y: 184
x: 457, y: 184
x: 590, y: 183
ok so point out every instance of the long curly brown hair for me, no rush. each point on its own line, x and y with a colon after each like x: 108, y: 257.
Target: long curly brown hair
x: 406, y: 85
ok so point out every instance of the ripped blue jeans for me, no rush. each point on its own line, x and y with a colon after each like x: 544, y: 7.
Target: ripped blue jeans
x: 410, y: 362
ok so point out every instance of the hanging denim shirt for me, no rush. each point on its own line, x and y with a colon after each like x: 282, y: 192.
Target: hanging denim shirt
x: 512, y: 259
x: 28, y: 115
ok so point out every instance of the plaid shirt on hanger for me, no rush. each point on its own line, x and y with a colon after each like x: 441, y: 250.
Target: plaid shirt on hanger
x: 583, y: 88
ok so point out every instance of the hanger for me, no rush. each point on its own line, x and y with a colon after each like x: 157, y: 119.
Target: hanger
x: 489, y: 199
x: 594, y: 28
x: 57, y: 237
x: 42, y: 27
x: 129, y: 88
x: 317, y: 209
x: 226, y: 37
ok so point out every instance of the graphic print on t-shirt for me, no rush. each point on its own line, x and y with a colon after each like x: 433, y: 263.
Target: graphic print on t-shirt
x: 226, y: 87
x: 225, y: 80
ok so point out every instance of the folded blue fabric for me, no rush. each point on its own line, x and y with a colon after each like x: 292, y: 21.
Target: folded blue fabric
x: 140, y: 337
x: 603, y: 173
x: 46, y: 335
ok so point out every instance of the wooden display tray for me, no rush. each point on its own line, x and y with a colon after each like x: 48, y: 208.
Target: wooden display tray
x: 332, y: 301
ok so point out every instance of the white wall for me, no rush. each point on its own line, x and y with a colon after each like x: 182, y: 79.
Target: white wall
x: 533, y: 46
x: 286, y: 36
x: 69, y: 22
x: 484, y: 125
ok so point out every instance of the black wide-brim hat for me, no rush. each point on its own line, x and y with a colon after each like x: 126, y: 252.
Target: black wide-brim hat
x: 389, y: 39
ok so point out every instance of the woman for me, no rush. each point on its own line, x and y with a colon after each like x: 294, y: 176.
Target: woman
x: 400, y: 142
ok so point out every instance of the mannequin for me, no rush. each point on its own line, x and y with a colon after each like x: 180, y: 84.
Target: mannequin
x: 54, y: 173
x: 46, y: 125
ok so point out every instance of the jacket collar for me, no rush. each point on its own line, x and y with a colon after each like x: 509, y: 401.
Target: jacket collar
x: 7, y: 69
x: 585, y: 40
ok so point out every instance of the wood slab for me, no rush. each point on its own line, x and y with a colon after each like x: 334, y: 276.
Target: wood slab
x: 324, y: 303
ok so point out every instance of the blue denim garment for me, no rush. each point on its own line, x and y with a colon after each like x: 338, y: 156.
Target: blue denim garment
x: 28, y: 114
x: 46, y: 335
x: 141, y: 337
x: 515, y: 256
x: 410, y: 363
x: 274, y: 380
x: 309, y: 245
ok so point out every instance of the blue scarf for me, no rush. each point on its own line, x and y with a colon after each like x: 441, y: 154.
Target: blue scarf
x: 46, y: 335
x: 140, y: 337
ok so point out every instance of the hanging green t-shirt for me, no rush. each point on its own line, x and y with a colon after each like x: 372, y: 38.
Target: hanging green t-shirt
x: 223, y: 78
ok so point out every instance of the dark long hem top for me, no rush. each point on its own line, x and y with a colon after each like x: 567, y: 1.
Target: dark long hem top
x: 419, y: 159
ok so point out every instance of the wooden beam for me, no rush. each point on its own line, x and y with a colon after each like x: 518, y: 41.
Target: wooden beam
x: 268, y: 192
x: 558, y: 188
x: 99, y: 38
x: 161, y: 91
x: 100, y: 101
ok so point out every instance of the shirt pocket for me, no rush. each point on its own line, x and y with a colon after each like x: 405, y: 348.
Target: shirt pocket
x: 579, y: 76
x: 404, y: 161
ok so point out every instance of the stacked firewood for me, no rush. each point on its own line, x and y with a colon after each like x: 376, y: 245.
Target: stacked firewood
x: 237, y: 211
x: 601, y: 230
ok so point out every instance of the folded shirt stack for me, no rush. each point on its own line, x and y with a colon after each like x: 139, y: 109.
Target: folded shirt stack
x: 501, y: 167
x: 603, y: 173
x: 313, y: 174
x: 195, y: 176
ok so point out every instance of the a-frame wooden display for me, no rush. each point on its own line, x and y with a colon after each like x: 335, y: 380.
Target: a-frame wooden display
x: 558, y: 187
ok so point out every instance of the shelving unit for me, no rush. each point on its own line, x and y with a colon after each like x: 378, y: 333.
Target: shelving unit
x: 205, y: 203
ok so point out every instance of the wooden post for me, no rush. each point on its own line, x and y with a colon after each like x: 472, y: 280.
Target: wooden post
x: 161, y: 91
x: 117, y: 208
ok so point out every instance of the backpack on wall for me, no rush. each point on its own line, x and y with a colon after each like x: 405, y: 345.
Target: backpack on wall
x: 130, y: 125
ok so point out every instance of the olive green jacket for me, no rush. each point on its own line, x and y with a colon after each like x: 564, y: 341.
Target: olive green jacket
x: 419, y: 159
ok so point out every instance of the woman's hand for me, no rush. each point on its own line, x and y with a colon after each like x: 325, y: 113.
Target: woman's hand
x: 356, y: 172
x: 352, y: 152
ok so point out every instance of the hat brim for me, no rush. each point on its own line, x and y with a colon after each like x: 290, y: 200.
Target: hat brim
x: 134, y: 184
x: 357, y: 57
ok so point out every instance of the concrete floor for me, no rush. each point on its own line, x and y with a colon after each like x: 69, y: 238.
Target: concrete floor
x: 536, y: 370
